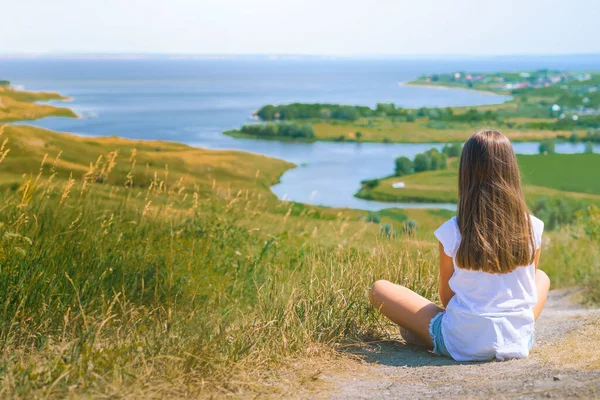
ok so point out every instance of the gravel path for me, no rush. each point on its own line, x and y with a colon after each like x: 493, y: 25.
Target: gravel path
x: 393, y: 370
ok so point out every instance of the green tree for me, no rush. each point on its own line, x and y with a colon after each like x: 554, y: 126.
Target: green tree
x: 267, y: 113
x: 422, y: 162
x: 404, y: 166
x: 358, y: 135
x: 438, y: 161
x: 574, y: 138
x: 547, y: 147
x: 422, y: 112
x: 452, y: 150
x: 386, y: 108
x: 325, y: 113
x: 370, y: 183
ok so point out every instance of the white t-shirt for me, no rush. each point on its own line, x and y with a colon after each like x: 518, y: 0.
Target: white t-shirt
x: 490, y: 315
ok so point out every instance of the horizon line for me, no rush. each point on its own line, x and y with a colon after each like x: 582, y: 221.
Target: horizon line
x: 271, y: 56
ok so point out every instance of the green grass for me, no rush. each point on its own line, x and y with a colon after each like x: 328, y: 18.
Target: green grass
x: 176, y: 284
x: 163, y: 288
x: 382, y: 129
x: 569, y: 176
x: 571, y: 173
x: 146, y: 269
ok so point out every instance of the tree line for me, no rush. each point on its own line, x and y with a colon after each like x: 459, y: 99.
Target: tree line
x: 280, y: 129
x: 297, y: 111
x: 431, y: 160
x: 448, y: 115
x: 328, y: 111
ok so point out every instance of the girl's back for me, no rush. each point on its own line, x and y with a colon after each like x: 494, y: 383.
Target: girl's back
x: 490, y: 314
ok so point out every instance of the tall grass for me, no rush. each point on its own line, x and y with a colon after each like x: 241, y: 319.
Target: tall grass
x: 160, y: 291
x: 571, y: 256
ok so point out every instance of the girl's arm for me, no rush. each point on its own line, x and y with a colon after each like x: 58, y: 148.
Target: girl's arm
x: 446, y: 271
x: 537, y: 258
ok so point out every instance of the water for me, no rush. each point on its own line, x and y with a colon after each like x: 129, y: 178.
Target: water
x: 194, y: 101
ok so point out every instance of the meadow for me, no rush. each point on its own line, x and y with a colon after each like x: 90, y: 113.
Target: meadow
x: 390, y: 130
x: 568, y: 176
x: 566, y: 172
x: 153, y: 269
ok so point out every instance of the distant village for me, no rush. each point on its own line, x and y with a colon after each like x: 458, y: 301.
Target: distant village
x: 575, y: 85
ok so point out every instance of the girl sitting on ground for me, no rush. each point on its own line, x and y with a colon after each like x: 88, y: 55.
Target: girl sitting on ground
x: 490, y: 286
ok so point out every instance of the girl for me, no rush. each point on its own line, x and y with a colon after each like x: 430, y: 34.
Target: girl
x: 490, y: 286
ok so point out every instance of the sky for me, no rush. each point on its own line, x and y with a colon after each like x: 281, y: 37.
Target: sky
x: 315, y: 27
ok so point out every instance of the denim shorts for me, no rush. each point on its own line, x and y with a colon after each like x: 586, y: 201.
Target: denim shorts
x: 435, y: 332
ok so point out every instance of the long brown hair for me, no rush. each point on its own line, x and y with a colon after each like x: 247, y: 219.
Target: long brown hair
x: 493, y: 218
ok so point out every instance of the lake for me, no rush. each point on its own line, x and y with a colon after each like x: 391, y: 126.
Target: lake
x: 194, y: 101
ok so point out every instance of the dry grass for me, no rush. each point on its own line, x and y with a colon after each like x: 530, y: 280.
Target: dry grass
x: 19, y: 106
x: 116, y: 286
x: 579, y: 350
x: 161, y: 290
x: 155, y: 270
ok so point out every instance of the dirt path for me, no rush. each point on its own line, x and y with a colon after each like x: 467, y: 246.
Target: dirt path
x: 393, y: 370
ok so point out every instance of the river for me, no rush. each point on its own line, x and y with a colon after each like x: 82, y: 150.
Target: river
x: 194, y: 101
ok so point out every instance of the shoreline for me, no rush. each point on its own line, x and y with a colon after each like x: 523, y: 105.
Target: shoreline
x: 415, y: 203
x: 435, y: 86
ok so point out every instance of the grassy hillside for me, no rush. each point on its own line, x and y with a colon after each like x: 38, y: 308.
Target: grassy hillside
x: 112, y: 160
x: 135, y: 269
x: 16, y: 105
x: 173, y: 287
x: 191, y: 279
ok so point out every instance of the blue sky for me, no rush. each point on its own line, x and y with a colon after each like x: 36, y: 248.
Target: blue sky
x: 332, y: 27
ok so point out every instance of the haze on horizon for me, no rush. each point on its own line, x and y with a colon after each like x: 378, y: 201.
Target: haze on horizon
x: 328, y: 27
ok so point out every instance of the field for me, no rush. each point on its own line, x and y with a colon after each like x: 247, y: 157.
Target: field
x: 421, y: 131
x: 386, y: 130
x: 566, y: 176
x: 567, y: 172
x: 138, y: 269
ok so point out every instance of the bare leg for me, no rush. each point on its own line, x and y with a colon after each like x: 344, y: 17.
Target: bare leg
x: 404, y: 307
x: 542, y: 283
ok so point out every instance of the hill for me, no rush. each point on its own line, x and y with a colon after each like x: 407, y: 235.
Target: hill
x: 150, y: 269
